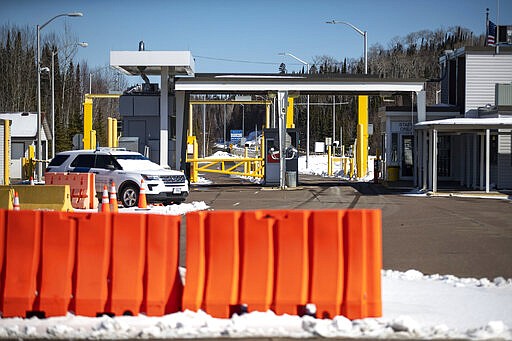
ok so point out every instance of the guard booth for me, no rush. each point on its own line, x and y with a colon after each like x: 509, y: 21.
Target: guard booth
x: 272, y: 156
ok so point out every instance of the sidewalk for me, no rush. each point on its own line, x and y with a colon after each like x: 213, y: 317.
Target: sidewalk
x: 450, y: 189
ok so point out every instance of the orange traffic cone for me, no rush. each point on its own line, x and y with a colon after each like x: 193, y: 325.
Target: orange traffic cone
x: 113, y: 197
x: 105, y: 206
x: 142, y: 196
x: 16, y: 202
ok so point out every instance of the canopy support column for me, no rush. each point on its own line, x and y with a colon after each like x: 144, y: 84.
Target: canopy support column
x: 164, y: 116
x: 282, y: 97
x: 487, y: 158
x: 434, y: 160
x: 181, y: 126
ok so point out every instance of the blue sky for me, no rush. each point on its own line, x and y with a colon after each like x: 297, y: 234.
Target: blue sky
x: 251, y: 31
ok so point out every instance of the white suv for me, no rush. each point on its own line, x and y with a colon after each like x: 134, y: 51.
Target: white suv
x: 127, y: 169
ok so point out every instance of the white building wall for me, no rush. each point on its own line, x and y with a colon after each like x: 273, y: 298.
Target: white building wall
x: 483, y: 71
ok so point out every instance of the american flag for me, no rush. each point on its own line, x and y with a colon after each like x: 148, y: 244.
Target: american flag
x: 491, y: 35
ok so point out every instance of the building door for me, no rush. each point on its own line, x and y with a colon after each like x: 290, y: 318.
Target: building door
x: 407, y: 155
x: 138, y: 128
x: 17, y: 153
x: 443, y: 156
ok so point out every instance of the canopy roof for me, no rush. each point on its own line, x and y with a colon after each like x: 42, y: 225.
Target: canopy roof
x: 305, y: 83
x: 456, y: 124
x: 151, y: 62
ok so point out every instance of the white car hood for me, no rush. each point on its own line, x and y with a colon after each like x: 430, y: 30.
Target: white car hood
x: 145, y: 166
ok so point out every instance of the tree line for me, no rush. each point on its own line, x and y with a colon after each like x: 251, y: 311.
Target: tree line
x: 412, y: 56
x: 18, y: 82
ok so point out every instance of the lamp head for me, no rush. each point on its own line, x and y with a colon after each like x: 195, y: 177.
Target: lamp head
x: 282, y: 53
x: 331, y: 22
x: 83, y: 44
x: 75, y: 14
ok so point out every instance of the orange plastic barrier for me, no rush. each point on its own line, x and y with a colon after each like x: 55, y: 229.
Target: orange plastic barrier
x: 364, y: 262
x: 127, y: 268
x: 222, y: 262
x: 327, y: 262
x: 283, y: 260
x: 291, y: 276
x: 193, y: 290
x: 22, y: 246
x: 57, y: 262
x: 162, y: 282
x: 82, y: 187
x: 257, y: 261
x: 92, y: 262
x: 374, y: 261
x: 2, y: 253
x: 88, y: 263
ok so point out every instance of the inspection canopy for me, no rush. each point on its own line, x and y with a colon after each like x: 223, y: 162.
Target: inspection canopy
x: 151, y: 62
x: 306, y: 83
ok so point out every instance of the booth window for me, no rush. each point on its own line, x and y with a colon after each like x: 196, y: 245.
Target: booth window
x: 17, y: 150
x: 394, y: 147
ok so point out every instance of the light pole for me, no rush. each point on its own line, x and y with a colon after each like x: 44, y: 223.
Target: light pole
x: 38, y: 61
x: 82, y: 44
x: 243, y: 120
x: 307, y: 108
x: 361, y: 32
x: 362, y: 121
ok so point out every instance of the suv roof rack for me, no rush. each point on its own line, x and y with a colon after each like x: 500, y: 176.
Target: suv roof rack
x: 110, y: 149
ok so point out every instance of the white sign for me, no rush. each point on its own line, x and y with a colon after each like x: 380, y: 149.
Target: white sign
x: 242, y: 98
x: 319, y: 147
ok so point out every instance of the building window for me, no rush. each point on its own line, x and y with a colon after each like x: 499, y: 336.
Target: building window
x: 172, y: 127
x: 407, y: 155
x: 17, y: 150
x: 394, y: 148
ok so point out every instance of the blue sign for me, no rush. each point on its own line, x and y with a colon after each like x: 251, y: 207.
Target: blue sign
x: 236, y: 135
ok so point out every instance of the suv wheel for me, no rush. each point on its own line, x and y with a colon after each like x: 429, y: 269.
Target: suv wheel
x: 129, y: 195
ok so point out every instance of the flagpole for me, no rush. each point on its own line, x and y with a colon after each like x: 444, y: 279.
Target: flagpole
x: 498, y: 28
x: 486, y: 27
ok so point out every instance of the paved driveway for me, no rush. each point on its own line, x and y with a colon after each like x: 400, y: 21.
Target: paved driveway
x: 465, y: 237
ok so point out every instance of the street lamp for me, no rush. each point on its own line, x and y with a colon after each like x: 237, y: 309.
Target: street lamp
x: 38, y: 61
x: 307, y: 108
x: 362, y: 135
x: 82, y: 44
x: 361, y: 32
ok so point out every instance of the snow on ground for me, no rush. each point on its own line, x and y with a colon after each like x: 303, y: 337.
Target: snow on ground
x: 222, y: 155
x: 414, y: 306
x: 317, y: 165
x: 180, y: 209
x: 203, y: 181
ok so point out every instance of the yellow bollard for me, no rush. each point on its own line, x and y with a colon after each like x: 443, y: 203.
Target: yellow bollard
x: 194, y: 174
x: 109, y: 132
x: 246, y: 154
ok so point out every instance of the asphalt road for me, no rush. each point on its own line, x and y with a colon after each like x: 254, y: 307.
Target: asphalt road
x: 465, y: 237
